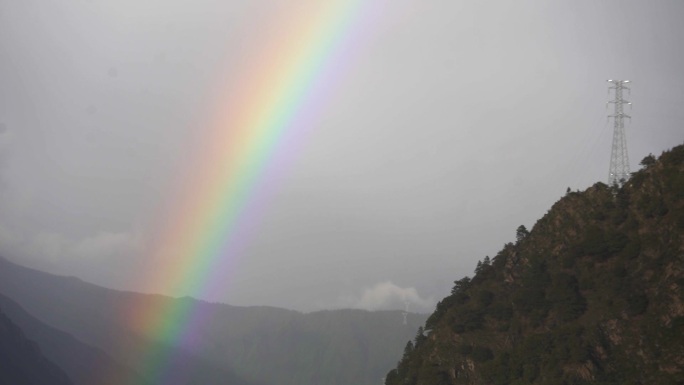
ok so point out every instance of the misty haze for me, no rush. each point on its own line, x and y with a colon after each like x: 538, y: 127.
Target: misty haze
x: 346, y: 192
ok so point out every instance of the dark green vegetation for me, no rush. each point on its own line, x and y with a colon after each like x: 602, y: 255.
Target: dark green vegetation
x: 92, y: 335
x: 593, y: 294
x: 21, y: 361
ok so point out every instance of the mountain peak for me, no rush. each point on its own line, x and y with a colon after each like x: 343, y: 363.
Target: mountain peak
x: 594, y: 293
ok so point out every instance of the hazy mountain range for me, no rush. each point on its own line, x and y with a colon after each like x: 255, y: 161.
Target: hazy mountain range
x: 21, y: 361
x: 79, y: 327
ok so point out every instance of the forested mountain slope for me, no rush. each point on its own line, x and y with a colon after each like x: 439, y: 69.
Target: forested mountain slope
x: 593, y: 294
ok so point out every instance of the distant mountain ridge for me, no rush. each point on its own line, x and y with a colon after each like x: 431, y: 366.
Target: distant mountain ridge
x: 67, y: 316
x: 83, y: 364
x: 238, y: 343
x: 22, y: 362
x: 593, y: 294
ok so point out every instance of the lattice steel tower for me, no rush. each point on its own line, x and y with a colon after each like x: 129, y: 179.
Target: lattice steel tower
x: 619, y: 161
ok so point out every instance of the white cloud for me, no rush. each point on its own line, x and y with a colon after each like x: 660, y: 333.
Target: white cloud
x: 386, y: 295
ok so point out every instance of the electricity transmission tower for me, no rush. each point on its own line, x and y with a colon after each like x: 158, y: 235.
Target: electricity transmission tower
x: 619, y: 161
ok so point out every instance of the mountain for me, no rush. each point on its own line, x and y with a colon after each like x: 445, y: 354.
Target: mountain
x: 21, y: 361
x: 238, y: 345
x: 82, y: 363
x: 593, y: 294
x: 87, y: 333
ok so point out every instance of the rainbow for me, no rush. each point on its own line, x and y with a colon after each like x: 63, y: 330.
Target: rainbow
x: 281, y: 93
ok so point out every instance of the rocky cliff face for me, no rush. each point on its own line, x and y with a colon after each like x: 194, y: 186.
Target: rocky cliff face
x: 594, y: 293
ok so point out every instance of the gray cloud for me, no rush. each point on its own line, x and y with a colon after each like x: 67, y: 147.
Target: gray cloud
x: 57, y: 248
x: 452, y: 124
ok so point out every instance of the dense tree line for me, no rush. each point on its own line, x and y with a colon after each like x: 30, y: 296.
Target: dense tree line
x: 592, y: 294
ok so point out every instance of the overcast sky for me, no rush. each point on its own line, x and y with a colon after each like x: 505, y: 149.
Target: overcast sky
x: 453, y: 123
